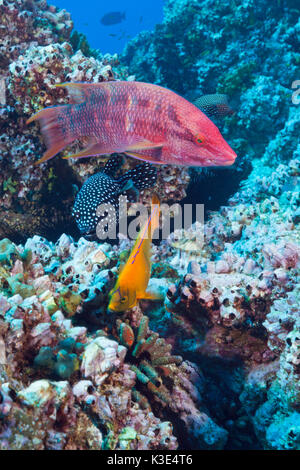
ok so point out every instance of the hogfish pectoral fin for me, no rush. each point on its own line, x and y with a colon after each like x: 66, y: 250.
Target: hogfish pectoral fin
x: 148, y: 151
x: 143, y: 145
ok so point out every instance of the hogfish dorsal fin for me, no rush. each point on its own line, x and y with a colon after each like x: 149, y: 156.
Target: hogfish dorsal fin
x: 79, y: 92
x: 155, y: 211
x: 144, y: 239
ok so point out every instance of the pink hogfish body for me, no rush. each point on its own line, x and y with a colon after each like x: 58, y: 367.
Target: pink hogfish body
x: 145, y: 121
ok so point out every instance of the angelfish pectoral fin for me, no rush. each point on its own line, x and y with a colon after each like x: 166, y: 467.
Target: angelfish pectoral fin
x: 149, y: 295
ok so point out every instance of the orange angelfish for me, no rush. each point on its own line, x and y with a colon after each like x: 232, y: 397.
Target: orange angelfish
x: 133, y: 280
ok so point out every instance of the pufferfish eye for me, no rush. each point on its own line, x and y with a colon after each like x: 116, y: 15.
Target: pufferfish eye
x: 199, y: 139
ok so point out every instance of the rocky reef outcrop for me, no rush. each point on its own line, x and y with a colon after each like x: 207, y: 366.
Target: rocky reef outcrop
x: 67, y: 364
x: 216, y: 365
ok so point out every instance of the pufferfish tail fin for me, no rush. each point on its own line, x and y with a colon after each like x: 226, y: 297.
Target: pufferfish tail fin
x: 143, y: 176
x: 56, y: 139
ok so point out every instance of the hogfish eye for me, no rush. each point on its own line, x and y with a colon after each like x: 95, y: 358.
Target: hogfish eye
x: 199, y: 139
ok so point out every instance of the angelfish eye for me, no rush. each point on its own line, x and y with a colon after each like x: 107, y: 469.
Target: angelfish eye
x: 123, y: 299
x: 199, y: 139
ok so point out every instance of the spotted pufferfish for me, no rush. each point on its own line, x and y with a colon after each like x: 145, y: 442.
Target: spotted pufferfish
x: 105, y: 188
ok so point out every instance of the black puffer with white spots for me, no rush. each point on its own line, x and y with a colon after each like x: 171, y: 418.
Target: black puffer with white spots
x: 104, y: 188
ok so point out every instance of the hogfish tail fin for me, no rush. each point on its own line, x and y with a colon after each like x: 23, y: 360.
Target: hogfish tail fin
x: 55, y: 136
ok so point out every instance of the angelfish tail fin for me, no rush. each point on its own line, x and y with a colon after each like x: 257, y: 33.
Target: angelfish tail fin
x: 155, y: 211
x: 55, y: 134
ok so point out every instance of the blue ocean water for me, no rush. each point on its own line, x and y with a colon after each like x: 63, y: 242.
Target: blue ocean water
x: 110, y: 39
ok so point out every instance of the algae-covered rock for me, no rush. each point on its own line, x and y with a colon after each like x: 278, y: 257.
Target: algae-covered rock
x: 68, y: 301
x: 7, y: 251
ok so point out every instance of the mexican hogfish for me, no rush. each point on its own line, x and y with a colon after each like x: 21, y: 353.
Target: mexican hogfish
x: 144, y: 121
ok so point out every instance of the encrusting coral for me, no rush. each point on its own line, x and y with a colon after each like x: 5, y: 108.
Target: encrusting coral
x: 151, y: 359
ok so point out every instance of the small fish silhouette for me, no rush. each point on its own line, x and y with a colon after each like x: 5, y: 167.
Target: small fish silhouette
x: 215, y: 105
x: 114, y: 17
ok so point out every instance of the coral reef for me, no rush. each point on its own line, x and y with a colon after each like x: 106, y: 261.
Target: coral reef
x: 233, y: 313
x: 239, y: 300
x: 55, y: 378
x: 58, y: 374
x: 216, y: 364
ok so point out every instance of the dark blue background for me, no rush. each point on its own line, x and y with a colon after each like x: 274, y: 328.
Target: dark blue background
x: 87, y: 14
